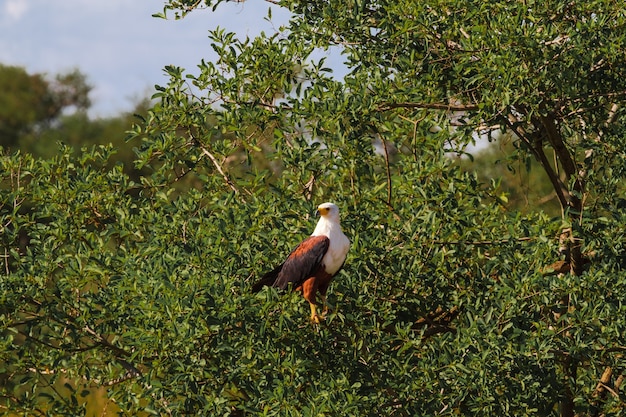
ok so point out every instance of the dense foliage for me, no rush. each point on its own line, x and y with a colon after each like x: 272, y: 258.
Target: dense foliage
x: 446, y: 305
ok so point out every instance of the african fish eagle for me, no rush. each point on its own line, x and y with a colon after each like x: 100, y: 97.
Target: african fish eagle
x: 311, y: 266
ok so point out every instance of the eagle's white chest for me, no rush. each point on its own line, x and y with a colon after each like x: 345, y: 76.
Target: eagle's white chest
x: 337, y: 251
x: 339, y: 244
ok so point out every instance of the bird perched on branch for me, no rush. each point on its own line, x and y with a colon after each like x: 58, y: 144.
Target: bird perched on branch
x: 311, y: 266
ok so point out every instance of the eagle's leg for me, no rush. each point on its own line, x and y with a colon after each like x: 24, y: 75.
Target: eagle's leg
x: 315, y: 318
x: 323, y: 289
x: 309, y: 290
x: 327, y: 306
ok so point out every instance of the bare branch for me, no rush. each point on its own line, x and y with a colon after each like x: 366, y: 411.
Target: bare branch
x: 560, y: 189
x: 536, y: 148
x: 483, y: 242
x: 387, y: 170
x: 217, y: 165
x: 612, y: 114
x: 604, y: 380
x: 104, y: 342
x: 430, y: 106
x: 556, y: 140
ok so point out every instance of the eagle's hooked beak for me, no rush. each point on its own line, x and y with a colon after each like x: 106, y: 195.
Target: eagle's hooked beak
x: 321, y: 211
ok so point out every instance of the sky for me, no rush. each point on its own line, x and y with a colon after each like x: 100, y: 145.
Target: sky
x: 117, y: 44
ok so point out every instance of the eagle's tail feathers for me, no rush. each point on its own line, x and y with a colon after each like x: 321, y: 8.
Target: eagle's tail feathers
x: 268, y: 279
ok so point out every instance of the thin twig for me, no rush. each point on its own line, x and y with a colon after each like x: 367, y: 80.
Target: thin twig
x: 482, y: 242
x: 387, y: 170
x: 6, y: 262
x: 217, y: 165
x: 430, y: 106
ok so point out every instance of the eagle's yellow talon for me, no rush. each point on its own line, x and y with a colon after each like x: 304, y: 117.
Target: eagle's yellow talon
x: 327, y: 307
x: 316, y: 318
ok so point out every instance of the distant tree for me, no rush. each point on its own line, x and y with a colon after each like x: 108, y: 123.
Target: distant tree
x: 78, y: 130
x: 37, y: 114
x: 30, y: 102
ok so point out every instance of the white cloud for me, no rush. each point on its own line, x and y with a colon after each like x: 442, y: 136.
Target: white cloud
x: 15, y: 9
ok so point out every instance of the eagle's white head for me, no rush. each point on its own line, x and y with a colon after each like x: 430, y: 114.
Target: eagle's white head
x: 328, y: 211
x: 329, y: 220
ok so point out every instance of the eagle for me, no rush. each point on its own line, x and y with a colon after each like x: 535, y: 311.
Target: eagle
x: 311, y: 266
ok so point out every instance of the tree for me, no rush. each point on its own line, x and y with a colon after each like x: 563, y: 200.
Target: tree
x: 38, y: 113
x: 78, y: 130
x: 29, y: 102
x: 444, y: 307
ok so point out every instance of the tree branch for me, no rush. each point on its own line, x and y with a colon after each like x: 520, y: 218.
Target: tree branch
x: 430, y: 106
x: 556, y: 140
x: 482, y: 242
x: 536, y: 148
x: 217, y: 165
x: 387, y: 170
x: 560, y: 189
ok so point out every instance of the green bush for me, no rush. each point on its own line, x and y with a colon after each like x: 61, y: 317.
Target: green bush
x: 440, y: 307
